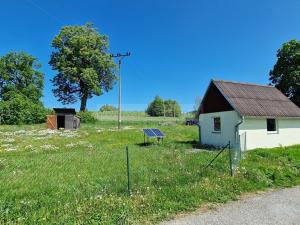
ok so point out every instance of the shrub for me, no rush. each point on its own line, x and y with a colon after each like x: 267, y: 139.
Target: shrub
x: 107, y: 108
x: 21, y: 110
x: 86, y: 117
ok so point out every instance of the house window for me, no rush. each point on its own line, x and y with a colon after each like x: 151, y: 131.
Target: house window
x: 217, y: 124
x: 271, y: 125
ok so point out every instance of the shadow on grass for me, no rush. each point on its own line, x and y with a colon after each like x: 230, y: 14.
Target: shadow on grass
x: 195, y: 144
x: 148, y: 144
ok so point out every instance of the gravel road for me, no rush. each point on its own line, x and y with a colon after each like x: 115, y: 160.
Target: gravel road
x: 280, y: 207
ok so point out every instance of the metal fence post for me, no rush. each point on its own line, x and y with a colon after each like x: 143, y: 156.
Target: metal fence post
x: 128, y: 172
x: 230, y: 161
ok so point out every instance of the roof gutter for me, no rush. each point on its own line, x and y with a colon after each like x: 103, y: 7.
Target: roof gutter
x: 237, y: 129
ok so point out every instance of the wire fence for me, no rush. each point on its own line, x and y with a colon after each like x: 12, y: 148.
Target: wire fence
x: 60, y: 170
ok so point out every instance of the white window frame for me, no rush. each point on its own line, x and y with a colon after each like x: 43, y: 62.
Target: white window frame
x: 276, y: 126
x: 213, y: 124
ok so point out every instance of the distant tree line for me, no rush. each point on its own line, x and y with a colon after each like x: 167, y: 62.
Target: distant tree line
x: 108, y: 108
x: 160, y: 107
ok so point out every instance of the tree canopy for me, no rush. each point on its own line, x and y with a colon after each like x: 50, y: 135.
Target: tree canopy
x: 83, y: 64
x: 21, y: 87
x: 285, y: 74
x: 159, y: 107
x: 19, y: 73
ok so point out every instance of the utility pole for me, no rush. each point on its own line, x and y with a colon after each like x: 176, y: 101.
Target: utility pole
x: 174, y: 110
x: 120, y: 57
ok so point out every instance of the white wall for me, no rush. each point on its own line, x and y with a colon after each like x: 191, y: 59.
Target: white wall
x: 257, y: 136
x: 228, y: 121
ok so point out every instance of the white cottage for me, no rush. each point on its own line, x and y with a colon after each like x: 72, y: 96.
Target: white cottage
x: 248, y: 115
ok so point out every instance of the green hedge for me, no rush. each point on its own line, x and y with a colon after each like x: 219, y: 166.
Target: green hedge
x: 21, y: 110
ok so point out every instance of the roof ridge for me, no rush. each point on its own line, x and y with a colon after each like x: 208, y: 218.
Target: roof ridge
x: 244, y: 83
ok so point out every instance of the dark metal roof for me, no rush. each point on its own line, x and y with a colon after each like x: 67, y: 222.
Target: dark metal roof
x: 64, y: 111
x: 257, y: 100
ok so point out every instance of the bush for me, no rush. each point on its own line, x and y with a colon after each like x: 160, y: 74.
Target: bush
x: 86, y: 117
x: 21, y: 110
x: 107, y: 108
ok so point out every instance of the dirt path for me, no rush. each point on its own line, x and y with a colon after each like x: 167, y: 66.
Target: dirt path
x: 280, y: 207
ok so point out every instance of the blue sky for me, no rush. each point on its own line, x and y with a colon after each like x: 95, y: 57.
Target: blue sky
x: 177, y: 46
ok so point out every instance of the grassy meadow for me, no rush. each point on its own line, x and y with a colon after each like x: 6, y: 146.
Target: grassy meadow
x: 79, y: 177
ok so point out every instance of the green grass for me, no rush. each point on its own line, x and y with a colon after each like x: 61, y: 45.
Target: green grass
x: 80, y: 177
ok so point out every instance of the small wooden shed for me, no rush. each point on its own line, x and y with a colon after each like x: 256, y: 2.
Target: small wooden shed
x: 64, y: 118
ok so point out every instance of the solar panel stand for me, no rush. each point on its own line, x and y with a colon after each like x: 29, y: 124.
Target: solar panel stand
x: 162, y: 140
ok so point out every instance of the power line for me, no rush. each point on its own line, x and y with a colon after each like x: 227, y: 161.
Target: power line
x: 53, y: 17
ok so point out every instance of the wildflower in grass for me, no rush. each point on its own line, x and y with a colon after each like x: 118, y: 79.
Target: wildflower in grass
x: 68, y: 134
x: 9, y: 140
x: 6, y: 145
x: 49, y: 147
x: 90, y: 146
x: 19, y: 132
x: 10, y: 149
x: 128, y: 128
x: 27, y: 147
x: 41, y: 138
x: 98, y: 197
x: 71, y: 145
x: 83, y: 142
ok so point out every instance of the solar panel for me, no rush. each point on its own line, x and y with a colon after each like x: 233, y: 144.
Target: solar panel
x: 149, y: 133
x: 158, y: 133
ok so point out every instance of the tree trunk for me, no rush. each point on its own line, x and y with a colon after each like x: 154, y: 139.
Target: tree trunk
x: 83, y: 102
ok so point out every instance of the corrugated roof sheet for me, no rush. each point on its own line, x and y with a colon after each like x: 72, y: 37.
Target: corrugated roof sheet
x: 257, y: 100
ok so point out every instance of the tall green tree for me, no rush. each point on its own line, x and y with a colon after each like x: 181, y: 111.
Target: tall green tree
x: 172, y: 108
x: 21, y: 87
x: 286, y: 72
x: 83, y: 64
x: 156, y: 107
x: 159, y: 107
x: 19, y: 73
